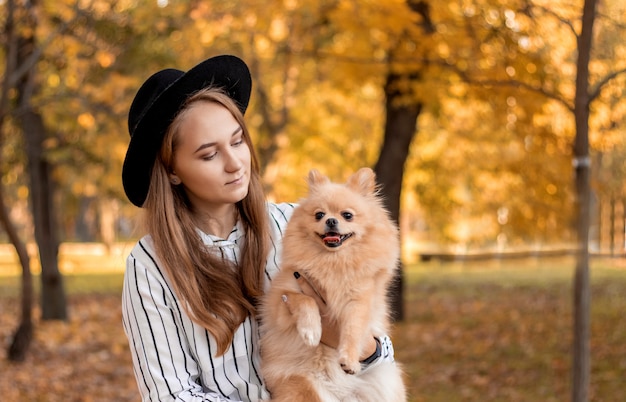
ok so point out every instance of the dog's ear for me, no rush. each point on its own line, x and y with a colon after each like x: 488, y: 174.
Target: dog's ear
x: 316, y: 178
x: 363, y: 181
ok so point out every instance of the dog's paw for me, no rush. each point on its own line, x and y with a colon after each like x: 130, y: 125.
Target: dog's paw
x: 349, y: 365
x: 308, y: 321
x: 310, y: 333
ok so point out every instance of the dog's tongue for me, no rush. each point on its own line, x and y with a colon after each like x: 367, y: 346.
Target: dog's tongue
x: 332, y: 238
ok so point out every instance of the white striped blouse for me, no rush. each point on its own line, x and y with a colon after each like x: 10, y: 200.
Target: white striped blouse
x: 173, y: 358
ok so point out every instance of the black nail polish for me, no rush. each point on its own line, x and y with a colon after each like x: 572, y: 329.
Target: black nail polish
x: 297, y: 275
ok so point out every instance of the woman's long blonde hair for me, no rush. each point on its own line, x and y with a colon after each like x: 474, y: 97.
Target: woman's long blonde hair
x: 214, y: 292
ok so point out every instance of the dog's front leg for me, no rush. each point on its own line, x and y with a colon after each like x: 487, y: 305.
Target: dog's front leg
x: 307, y: 317
x: 356, y: 318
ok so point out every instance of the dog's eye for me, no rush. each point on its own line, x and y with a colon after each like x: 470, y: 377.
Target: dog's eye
x: 347, y: 215
x: 319, y: 215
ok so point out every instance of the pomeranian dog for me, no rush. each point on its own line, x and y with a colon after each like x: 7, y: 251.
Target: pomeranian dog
x: 341, y: 239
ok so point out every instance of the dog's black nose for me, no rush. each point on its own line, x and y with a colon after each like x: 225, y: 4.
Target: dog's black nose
x: 332, y: 222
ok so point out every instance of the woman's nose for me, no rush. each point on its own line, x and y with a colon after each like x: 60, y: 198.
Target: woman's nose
x: 232, y: 163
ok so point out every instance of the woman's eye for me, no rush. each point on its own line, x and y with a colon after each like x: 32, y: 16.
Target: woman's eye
x: 209, y: 157
x: 319, y: 215
x: 347, y: 215
x: 237, y: 141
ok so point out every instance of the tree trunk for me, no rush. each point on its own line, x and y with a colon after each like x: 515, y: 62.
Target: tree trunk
x: 612, y: 226
x: 623, y: 228
x: 401, y: 113
x: 400, y: 128
x: 107, y: 214
x: 53, y: 303
x: 582, y: 165
x: 41, y: 186
x: 24, y: 333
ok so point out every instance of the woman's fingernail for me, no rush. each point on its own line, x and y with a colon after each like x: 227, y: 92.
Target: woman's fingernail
x: 284, y: 297
x: 297, y: 275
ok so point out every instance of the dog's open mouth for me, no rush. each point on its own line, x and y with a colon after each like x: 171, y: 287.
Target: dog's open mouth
x: 334, y: 239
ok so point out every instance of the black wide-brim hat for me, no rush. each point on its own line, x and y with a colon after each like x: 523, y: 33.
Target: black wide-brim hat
x: 159, y: 100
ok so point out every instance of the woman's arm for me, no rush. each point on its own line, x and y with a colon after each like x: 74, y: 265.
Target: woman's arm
x: 164, y: 368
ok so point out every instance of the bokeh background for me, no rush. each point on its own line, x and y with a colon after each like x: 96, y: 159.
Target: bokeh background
x: 489, y: 148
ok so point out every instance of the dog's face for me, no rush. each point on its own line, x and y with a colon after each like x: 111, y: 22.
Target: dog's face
x: 336, y: 216
x: 336, y: 226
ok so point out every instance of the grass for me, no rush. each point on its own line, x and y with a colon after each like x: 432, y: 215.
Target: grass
x: 478, y: 331
x: 75, y: 284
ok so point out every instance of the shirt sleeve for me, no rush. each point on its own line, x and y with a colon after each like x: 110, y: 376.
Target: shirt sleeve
x: 386, y: 353
x: 164, y: 368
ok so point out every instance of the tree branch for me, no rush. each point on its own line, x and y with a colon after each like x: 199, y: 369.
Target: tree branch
x: 34, y: 57
x: 547, y: 11
x: 532, y: 88
x: 595, y: 91
x: 515, y: 84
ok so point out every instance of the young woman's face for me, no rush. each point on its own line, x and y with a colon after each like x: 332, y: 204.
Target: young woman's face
x: 211, y: 160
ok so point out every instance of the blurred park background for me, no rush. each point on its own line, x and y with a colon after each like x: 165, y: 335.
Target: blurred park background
x: 489, y: 144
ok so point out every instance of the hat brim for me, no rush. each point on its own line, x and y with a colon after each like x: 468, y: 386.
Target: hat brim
x: 227, y: 72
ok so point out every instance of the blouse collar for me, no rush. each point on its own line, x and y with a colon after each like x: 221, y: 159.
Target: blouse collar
x: 231, y: 241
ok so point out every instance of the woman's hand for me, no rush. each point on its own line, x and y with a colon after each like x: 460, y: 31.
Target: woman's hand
x: 331, y: 330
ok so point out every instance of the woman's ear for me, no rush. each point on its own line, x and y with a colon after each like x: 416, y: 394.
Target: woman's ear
x: 174, y: 179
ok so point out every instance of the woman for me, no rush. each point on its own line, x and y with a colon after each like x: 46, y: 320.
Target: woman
x: 213, y: 242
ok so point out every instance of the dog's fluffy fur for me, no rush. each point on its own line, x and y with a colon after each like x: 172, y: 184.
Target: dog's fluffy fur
x: 342, y: 240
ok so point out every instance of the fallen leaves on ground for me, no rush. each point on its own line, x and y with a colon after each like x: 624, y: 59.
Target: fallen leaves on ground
x: 461, y: 341
x: 486, y: 342
x: 85, y: 359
